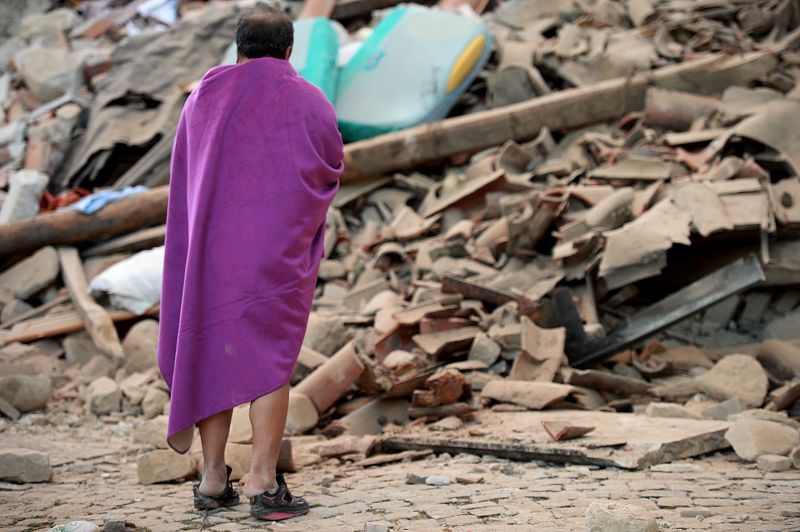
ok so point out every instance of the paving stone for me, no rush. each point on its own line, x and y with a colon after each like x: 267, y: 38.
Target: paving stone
x: 618, y: 517
x: 377, y: 526
x: 674, y: 502
x: 461, y: 520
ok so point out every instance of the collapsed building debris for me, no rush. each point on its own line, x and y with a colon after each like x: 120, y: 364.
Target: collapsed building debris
x: 593, y: 259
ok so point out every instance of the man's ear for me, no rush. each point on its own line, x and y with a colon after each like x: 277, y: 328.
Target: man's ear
x: 238, y: 58
x: 288, y: 53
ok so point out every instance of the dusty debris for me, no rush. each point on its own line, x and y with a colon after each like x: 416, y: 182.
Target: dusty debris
x: 607, y: 220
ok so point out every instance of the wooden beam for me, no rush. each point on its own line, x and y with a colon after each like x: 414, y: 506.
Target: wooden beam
x: 144, y: 239
x: 97, y: 321
x: 60, y: 300
x: 347, y: 9
x: 58, y: 324
x: 71, y: 227
x: 566, y: 109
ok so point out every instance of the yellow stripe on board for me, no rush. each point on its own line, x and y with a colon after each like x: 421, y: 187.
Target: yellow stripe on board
x: 465, y: 62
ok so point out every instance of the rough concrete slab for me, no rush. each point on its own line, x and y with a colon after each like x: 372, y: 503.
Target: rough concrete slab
x: 619, y: 440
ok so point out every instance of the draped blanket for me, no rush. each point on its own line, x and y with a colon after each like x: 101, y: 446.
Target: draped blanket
x: 256, y: 162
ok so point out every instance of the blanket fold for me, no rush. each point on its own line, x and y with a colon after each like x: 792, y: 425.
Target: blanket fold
x: 255, y: 165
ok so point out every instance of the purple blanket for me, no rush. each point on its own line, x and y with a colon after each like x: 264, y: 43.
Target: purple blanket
x: 256, y: 163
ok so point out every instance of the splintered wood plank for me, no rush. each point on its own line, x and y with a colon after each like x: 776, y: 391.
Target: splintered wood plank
x: 619, y: 440
x: 60, y: 300
x: 144, y: 239
x: 59, y: 324
x: 95, y: 318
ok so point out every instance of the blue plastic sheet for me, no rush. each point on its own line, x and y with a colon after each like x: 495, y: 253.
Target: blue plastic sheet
x: 98, y: 200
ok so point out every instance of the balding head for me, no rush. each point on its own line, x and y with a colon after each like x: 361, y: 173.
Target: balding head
x: 264, y: 32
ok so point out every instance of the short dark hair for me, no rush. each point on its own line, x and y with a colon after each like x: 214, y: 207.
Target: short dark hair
x: 264, y: 31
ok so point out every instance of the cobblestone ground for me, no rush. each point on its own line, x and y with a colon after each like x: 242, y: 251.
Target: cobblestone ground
x: 95, y: 479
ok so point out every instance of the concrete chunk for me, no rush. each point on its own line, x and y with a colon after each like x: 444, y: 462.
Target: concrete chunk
x: 325, y: 334
x: 611, y: 516
x: 670, y: 410
x: 79, y: 348
x: 736, y: 376
x: 302, y: 415
x: 32, y: 274
x: 152, y: 432
x: 141, y: 346
x: 24, y: 465
x: 57, y: 20
x: 154, y: 402
x: 98, y: 366
x: 794, y: 456
x: 723, y: 410
x: 752, y: 438
x: 50, y: 72
x: 484, y: 349
x: 24, y: 193
x: 104, y: 396
x: 13, y: 309
x: 773, y: 462
x: 26, y: 392
x: 163, y: 466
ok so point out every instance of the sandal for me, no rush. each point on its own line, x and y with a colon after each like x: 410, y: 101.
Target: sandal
x: 228, y: 497
x: 279, y: 505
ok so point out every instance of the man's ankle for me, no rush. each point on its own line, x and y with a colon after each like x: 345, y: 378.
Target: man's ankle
x: 256, y: 487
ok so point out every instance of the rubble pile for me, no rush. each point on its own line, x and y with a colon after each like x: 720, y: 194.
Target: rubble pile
x: 602, y: 236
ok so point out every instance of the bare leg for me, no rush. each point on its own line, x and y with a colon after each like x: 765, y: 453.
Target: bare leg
x: 213, y: 435
x: 268, y: 418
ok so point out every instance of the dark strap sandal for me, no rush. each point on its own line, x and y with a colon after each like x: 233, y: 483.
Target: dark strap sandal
x: 228, y: 497
x: 279, y: 505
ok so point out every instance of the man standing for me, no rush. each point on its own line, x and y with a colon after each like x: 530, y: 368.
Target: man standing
x: 256, y: 163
